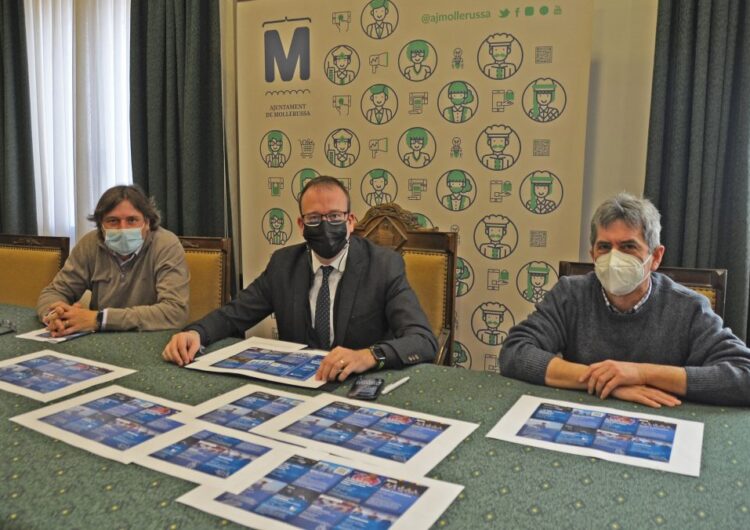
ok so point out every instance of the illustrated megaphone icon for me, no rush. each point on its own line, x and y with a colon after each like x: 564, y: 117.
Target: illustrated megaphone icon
x: 379, y: 59
x: 378, y: 145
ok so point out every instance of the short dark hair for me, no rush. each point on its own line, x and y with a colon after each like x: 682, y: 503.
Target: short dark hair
x: 133, y: 194
x: 329, y: 182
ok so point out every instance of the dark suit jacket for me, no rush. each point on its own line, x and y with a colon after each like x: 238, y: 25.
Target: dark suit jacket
x: 374, y: 305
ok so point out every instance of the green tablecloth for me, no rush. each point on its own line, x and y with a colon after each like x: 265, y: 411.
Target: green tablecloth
x: 49, y: 484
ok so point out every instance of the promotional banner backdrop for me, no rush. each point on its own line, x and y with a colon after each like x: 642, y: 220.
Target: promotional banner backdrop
x: 471, y: 115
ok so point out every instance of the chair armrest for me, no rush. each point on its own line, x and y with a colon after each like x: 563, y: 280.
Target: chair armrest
x: 443, y: 354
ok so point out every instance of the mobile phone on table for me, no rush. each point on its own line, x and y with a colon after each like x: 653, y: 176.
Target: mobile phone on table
x: 366, y: 388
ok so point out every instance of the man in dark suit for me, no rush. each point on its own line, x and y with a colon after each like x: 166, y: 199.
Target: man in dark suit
x: 336, y: 292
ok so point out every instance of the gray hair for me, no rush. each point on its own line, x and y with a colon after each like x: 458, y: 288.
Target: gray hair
x: 634, y: 212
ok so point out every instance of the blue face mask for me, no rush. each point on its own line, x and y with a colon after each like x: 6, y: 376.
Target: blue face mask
x: 123, y: 241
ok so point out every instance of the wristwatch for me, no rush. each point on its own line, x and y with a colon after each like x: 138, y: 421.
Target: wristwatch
x: 378, y: 355
x: 99, y: 320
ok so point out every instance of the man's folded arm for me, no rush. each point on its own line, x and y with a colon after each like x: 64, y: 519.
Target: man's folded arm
x: 69, y: 283
x: 532, y: 345
x: 718, y: 367
x: 251, y: 305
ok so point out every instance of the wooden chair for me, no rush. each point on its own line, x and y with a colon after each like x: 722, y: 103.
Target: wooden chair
x: 430, y: 260
x: 27, y: 265
x: 711, y: 283
x: 208, y: 259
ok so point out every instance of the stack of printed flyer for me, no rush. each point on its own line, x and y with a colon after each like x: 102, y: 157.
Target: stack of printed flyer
x: 263, y: 458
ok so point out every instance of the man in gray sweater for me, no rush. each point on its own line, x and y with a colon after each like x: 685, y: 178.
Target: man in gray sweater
x: 134, y: 268
x: 626, y: 330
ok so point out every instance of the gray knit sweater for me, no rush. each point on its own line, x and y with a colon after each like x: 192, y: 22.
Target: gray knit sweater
x: 675, y: 326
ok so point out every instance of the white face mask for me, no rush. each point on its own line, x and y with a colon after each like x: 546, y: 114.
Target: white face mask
x: 620, y: 273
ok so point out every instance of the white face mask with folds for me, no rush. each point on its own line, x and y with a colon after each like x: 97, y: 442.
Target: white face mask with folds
x: 620, y: 273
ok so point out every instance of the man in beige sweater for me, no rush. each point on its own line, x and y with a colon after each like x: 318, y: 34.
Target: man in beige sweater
x: 135, y: 270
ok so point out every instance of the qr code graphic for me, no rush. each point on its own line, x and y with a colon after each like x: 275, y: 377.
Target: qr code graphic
x: 541, y: 147
x: 538, y: 238
x: 543, y: 55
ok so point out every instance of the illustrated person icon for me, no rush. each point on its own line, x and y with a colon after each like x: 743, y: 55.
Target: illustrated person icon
x: 456, y: 149
x: 379, y: 114
x: 379, y: 29
x: 462, y: 273
x: 378, y: 181
x: 498, y: 137
x: 341, y: 74
x: 493, y: 314
x: 340, y: 156
x: 495, y: 226
x: 544, y: 94
x: 459, y: 354
x: 536, y: 278
x: 541, y: 187
x: 304, y: 176
x: 416, y: 139
x: 459, y: 185
x: 499, y: 48
x: 417, y: 51
x: 458, y: 61
x: 422, y: 220
x: 460, y: 96
x: 275, y: 158
x: 276, y: 236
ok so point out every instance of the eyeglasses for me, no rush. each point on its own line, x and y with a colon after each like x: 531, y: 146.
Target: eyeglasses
x: 335, y: 218
x: 7, y: 326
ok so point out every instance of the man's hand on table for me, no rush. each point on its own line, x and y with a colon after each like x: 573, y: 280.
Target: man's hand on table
x: 182, y: 347
x: 341, y: 362
x: 604, y: 377
x: 646, y: 395
x: 64, y: 319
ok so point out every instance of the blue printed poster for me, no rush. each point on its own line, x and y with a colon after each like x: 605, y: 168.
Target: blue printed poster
x: 112, y: 422
x: 312, y: 490
x: 634, y: 438
x: 266, y: 359
x: 48, y: 375
x: 369, y: 432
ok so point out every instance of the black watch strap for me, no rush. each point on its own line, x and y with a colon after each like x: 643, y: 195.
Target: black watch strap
x: 378, y: 355
x: 99, y: 320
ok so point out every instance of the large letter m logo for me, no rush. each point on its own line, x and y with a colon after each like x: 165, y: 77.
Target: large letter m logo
x: 299, y: 52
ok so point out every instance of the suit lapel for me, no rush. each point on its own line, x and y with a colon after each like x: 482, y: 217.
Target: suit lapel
x: 346, y: 292
x: 301, y: 283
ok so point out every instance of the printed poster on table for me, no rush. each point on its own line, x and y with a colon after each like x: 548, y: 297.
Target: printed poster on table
x: 111, y: 422
x: 379, y: 435
x: 48, y: 375
x: 279, y: 362
x: 43, y: 335
x: 309, y: 489
x: 204, y: 453
x: 243, y: 408
x: 643, y: 440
